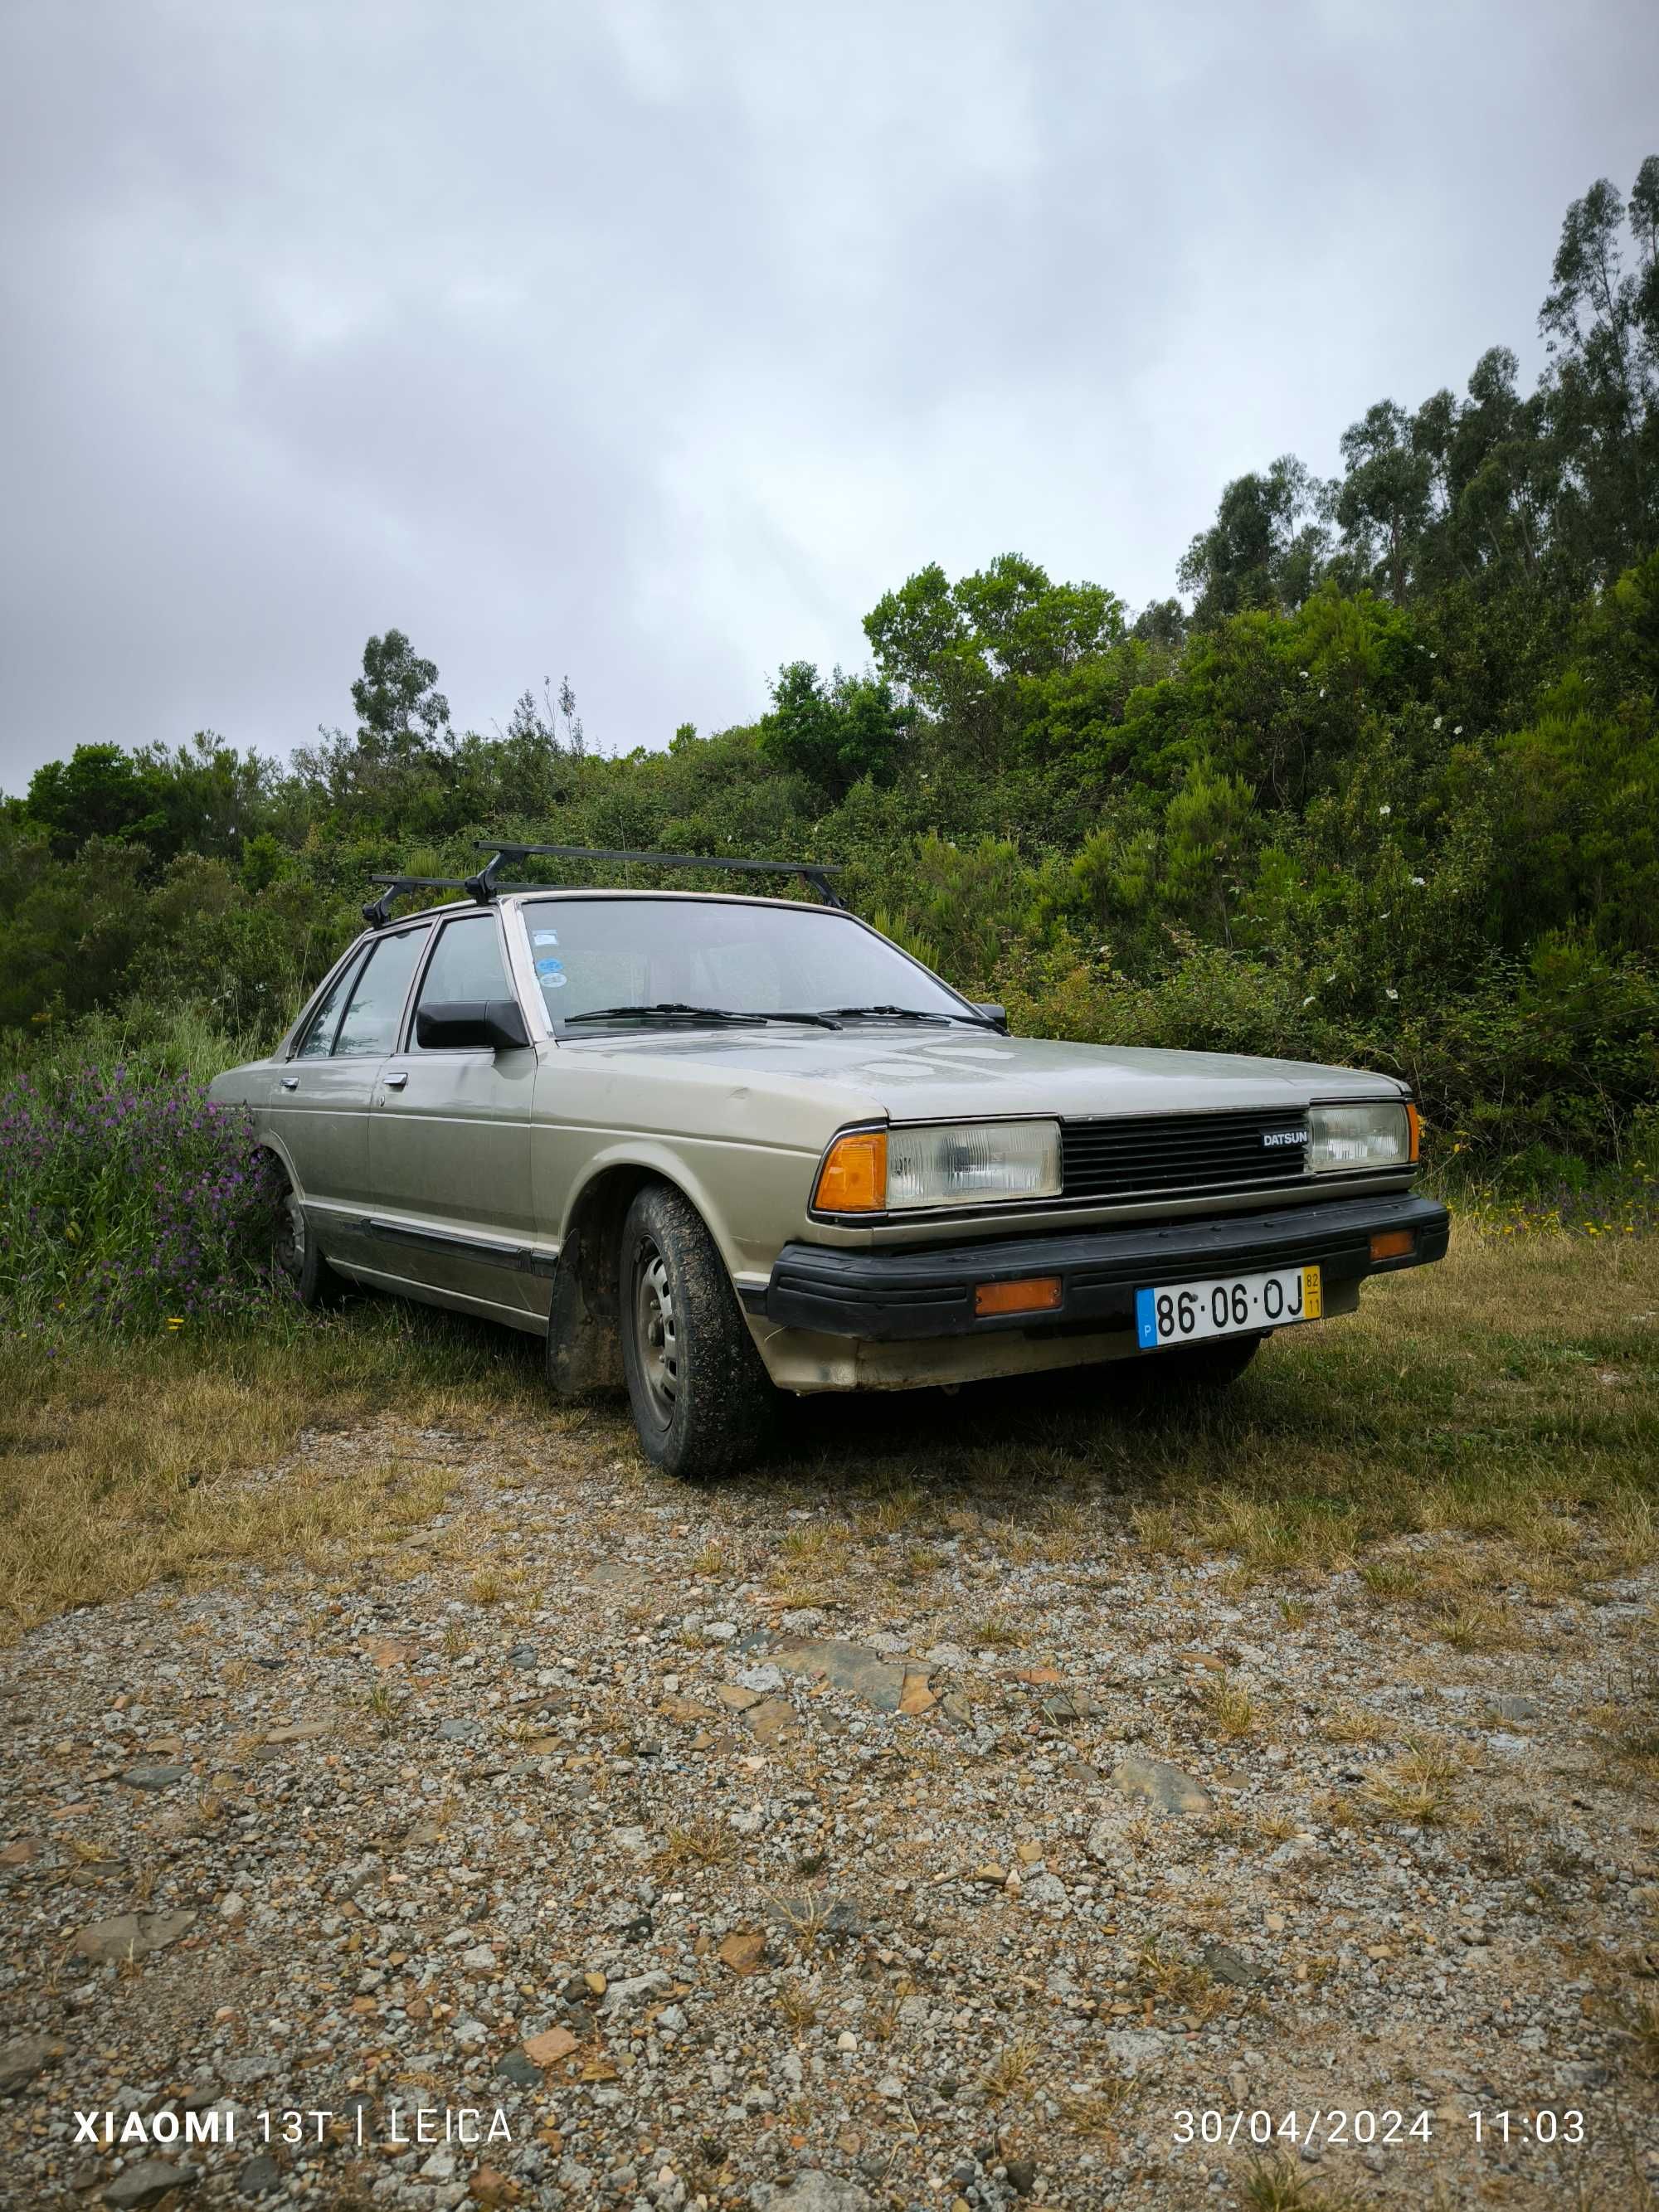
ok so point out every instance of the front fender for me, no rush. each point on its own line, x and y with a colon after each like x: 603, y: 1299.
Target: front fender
x: 752, y: 1198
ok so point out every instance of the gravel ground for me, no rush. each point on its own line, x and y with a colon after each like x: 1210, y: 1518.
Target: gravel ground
x: 707, y: 1863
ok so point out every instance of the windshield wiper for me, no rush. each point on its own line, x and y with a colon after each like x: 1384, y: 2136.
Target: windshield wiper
x: 668, y: 1010
x: 906, y: 1014
x: 676, y: 1009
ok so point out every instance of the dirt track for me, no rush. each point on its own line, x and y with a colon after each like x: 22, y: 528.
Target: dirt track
x: 712, y: 1839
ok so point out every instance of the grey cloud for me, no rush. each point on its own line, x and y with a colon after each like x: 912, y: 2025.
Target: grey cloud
x: 653, y: 342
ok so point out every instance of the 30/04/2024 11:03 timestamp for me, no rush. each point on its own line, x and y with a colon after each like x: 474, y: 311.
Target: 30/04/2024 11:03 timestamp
x: 1336, y: 2127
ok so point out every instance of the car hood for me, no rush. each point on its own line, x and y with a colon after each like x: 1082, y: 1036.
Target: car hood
x: 920, y: 1073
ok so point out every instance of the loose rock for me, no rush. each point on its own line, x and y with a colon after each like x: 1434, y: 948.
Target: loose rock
x: 24, y: 2058
x: 132, y: 1934
x: 147, y: 2182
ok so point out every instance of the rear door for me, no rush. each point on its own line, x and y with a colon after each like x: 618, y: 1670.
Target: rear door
x: 449, y: 1143
x: 321, y: 1103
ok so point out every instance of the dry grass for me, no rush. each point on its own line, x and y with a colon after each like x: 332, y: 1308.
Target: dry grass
x: 1630, y: 1534
x: 903, y: 1510
x: 1096, y: 2109
x: 1275, y: 1827
x: 1390, y: 1423
x: 999, y: 1631
x: 1480, y: 1624
x: 1009, y: 2070
x: 1280, y: 2185
x: 1349, y: 1724
x: 1641, y: 2025
x: 1228, y: 1707
x: 702, y: 1843
x: 1181, y: 1985
x: 813, y: 1561
x: 1415, y: 1787
x: 1392, y: 1579
x: 122, y: 1465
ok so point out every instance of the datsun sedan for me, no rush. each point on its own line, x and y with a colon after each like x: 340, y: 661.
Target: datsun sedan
x: 715, y: 1146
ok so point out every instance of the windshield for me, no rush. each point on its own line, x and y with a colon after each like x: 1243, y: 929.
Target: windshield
x: 597, y: 953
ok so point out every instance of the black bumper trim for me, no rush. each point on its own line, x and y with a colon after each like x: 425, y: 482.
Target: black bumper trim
x: 889, y: 1298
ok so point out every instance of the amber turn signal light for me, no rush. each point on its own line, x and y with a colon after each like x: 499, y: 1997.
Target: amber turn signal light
x: 1392, y: 1243
x: 1414, y: 1129
x: 853, y: 1177
x: 1030, y: 1294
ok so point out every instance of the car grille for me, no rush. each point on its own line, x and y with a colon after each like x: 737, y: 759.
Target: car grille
x: 1195, y: 1154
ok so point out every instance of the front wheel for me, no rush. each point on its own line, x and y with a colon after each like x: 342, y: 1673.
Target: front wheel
x: 702, y: 1400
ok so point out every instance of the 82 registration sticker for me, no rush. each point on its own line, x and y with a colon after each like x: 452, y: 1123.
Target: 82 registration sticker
x: 1238, y: 1305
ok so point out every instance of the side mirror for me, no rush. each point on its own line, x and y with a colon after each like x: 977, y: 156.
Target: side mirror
x: 989, y: 1011
x: 471, y: 1025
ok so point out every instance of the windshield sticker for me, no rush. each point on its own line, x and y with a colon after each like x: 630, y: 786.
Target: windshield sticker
x: 544, y: 937
x: 551, y: 982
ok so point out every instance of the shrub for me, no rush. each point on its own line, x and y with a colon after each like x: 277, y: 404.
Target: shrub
x: 128, y: 1200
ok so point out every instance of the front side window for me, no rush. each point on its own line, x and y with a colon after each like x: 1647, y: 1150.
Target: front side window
x: 466, y: 965
x: 377, y: 1004
x: 594, y: 953
x: 317, y: 1041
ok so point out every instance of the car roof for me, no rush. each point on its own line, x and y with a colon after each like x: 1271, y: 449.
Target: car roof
x: 452, y: 907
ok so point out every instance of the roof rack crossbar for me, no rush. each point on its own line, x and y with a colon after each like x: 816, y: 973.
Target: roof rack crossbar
x: 378, y: 912
x: 815, y: 874
x: 485, y: 883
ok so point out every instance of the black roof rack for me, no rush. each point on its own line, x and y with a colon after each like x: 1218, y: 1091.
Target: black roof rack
x: 378, y: 912
x: 484, y: 886
x: 816, y: 873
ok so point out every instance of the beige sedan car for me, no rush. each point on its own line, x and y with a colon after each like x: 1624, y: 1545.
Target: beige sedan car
x: 717, y: 1147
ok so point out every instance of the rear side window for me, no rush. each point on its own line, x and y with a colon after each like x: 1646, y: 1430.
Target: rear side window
x: 466, y: 965
x: 319, y: 1039
x: 377, y: 1003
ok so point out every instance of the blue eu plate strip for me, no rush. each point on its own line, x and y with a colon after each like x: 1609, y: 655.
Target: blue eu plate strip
x: 1146, y: 1320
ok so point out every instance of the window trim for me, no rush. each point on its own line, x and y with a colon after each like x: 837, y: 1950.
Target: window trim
x: 301, y: 1027
x: 347, y: 972
x: 406, y: 1044
x: 382, y: 936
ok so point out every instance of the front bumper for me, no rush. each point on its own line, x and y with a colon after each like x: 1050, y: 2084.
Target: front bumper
x: 891, y: 1297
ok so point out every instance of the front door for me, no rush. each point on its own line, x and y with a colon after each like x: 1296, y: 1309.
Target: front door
x: 449, y: 1145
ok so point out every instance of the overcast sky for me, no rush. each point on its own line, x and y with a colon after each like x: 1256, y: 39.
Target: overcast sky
x: 652, y: 342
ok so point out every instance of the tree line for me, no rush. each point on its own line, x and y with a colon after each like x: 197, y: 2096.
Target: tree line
x: 1383, y: 786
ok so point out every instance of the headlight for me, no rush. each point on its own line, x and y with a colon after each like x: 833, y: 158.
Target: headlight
x: 1343, y: 1137
x: 954, y: 1164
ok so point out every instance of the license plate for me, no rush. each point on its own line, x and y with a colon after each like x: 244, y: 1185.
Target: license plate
x: 1234, y: 1306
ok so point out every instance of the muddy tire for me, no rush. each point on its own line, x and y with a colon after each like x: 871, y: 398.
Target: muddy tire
x: 702, y: 1400
x: 295, y: 1254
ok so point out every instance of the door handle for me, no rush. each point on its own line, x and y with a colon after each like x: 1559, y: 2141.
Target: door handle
x: 397, y: 1081
x: 290, y: 1083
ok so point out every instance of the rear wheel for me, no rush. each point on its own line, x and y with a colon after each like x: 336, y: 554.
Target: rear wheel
x: 296, y: 1253
x: 702, y: 1400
